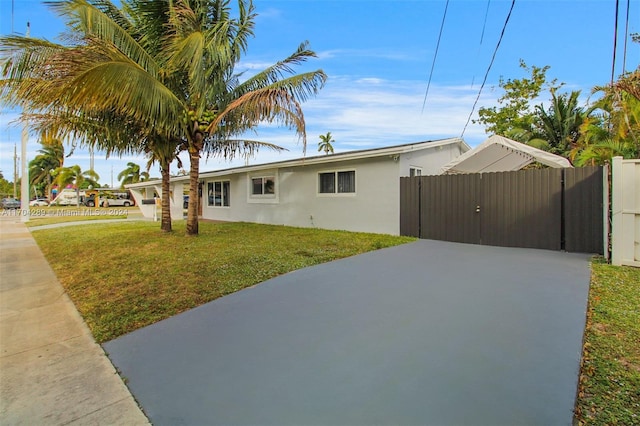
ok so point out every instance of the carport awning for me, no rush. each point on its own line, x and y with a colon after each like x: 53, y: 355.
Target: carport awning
x: 499, y: 154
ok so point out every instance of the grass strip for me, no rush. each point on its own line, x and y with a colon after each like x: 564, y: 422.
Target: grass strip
x: 609, y: 387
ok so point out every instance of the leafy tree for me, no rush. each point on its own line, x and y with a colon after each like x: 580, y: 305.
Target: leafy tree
x: 515, y: 118
x: 74, y: 175
x: 325, y: 144
x: 50, y: 158
x: 6, y: 187
x: 132, y: 174
x: 611, y: 128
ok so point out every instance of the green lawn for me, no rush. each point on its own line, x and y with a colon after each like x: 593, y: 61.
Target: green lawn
x: 126, y: 275
x: 609, y: 392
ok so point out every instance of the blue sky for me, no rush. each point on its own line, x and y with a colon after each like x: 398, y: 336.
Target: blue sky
x: 378, y: 55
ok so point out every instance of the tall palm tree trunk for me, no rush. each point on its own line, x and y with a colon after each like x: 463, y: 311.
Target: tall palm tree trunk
x: 165, y: 224
x: 48, y: 189
x: 194, y: 176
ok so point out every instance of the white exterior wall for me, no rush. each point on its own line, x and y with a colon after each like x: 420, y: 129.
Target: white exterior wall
x: 375, y: 206
x: 430, y: 160
x: 154, y: 210
x: 625, y: 208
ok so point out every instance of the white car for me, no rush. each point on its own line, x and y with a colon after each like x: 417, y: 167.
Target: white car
x: 39, y: 202
x: 120, y: 201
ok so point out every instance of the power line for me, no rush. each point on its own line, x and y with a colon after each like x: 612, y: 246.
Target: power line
x: 486, y: 13
x: 626, y: 36
x: 493, y: 57
x: 435, y: 55
x: 484, y: 25
x: 615, y: 42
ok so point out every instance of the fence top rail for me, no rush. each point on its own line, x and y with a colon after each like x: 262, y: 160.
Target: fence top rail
x: 628, y: 160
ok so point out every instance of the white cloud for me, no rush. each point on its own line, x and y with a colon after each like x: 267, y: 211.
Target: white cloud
x: 253, y: 65
x: 386, y: 54
x: 269, y: 13
x: 371, y: 112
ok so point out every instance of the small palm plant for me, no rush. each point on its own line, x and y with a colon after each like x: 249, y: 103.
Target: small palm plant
x: 325, y: 143
x: 75, y: 176
x: 132, y: 174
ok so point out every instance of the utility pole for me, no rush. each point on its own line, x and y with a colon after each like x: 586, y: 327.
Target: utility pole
x: 24, y: 184
x: 15, y: 171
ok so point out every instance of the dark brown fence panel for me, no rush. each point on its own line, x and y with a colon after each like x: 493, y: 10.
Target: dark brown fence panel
x: 448, y: 208
x: 410, y: 207
x: 552, y: 209
x: 522, y: 209
x: 583, y: 215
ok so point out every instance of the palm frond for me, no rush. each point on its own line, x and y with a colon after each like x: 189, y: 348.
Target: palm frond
x: 230, y: 148
x: 91, y: 21
x: 269, y: 105
x: 281, y: 70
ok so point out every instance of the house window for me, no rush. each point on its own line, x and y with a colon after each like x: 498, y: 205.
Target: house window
x: 337, y: 182
x: 263, y: 185
x: 415, y: 171
x: 218, y: 194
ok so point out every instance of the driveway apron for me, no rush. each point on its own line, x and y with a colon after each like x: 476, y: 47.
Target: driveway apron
x: 424, y: 333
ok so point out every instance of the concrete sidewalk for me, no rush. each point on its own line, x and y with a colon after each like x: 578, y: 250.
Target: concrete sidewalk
x: 51, y: 370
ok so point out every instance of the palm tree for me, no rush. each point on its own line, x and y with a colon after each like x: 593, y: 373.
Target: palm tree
x: 75, y: 176
x: 601, y: 153
x: 325, y: 144
x: 611, y: 128
x: 630, y: 83
x: 164, y: 152
x: 161, y: 70
x: 205, y: 44
x: 558, y: 128
x: 132, y: 174
x: 111, y: 44
x: 50, y: 158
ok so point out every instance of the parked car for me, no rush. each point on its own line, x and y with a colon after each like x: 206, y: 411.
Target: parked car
x: 90, y: 201
x: 10, y: 203
x: 39, y: 202
x: 117, y: 200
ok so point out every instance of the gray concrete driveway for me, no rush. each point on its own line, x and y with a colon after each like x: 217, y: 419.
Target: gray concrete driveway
x: 429, y: 333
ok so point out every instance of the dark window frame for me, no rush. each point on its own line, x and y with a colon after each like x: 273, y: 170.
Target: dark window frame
x: 223, y: 187
x: 337, y: 182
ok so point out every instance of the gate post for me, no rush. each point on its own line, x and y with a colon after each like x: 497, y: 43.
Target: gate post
x: 625, y: 209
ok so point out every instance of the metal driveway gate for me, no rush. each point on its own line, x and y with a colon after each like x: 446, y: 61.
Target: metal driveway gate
x: 555, y: 209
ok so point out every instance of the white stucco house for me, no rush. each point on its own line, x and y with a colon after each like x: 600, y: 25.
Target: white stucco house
x: 355, y: 191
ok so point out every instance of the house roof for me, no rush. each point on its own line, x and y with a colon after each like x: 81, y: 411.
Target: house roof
x: 320, y: 159
x: 499, y: 154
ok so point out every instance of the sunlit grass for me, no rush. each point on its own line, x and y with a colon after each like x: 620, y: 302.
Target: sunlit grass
x: 126, y: 275
x: 609, y: 390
